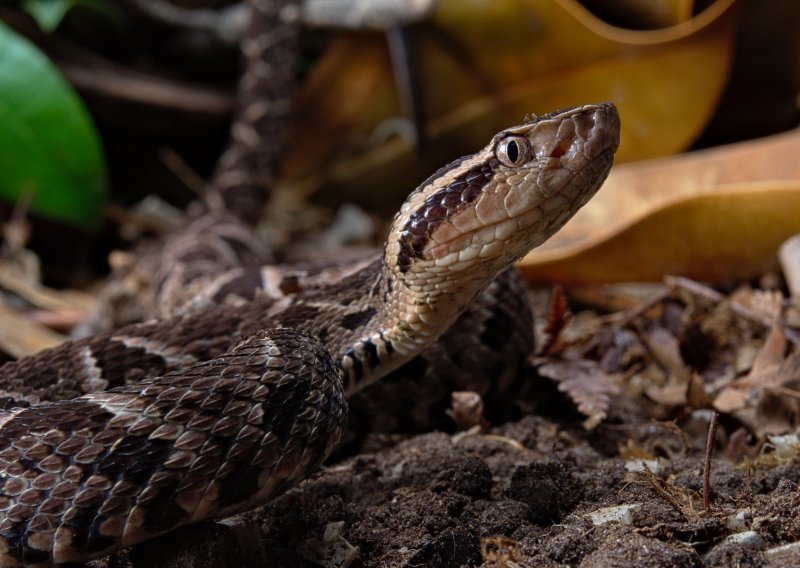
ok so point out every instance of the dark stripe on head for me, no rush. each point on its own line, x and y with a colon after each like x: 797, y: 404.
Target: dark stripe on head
x: 442, y: 205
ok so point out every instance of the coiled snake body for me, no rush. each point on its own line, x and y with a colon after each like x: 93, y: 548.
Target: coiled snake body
x: 220, y: 410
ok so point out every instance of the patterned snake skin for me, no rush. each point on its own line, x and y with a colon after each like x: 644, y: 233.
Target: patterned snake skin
x: 217, y: 258
x: 166, y: 279
x: 219, y: 410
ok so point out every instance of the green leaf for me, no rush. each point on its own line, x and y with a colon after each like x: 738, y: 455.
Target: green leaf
x: 48, y: 143
x: 49, y: 13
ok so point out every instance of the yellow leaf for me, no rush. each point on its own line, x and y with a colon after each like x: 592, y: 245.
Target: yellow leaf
x: 484, y: 65
x: 731, y: 234
x: 642, y: 15
x: 713, y: 215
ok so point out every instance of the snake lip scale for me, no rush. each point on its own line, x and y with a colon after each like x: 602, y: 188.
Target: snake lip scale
x: 222, y: 409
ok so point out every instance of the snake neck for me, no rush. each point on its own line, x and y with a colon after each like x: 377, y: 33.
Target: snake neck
x: 372, y: 322
x: 406, y: 322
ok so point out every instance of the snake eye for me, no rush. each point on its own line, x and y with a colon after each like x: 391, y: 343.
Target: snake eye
x: 513, y: 151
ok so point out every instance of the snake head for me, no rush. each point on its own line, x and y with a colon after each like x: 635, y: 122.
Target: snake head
x: 478, y: 214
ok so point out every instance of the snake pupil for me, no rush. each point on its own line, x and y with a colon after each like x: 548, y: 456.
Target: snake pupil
x: 512, y: 151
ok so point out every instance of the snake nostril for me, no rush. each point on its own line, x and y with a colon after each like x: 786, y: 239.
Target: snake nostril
x: 558, y: 151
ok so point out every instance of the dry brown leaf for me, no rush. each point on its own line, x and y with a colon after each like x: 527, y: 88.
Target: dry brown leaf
x: 669, y: 395
x: 766, y: 399
x: 623, y: 296
x: 729, y: 400
x: 20, y: 337
x: 27, y: 286
x: 714, y: 214
x: 558, y: 317
x: 23, y: 334
x: 732, y: 233
x: 477, y: 80
x: 666, y: 350
x: 765, y: 305
x: 789, y: 255
x: 696, y: 395
x: 586, y: 384
x: 769, y: 360
x: 501, y: 550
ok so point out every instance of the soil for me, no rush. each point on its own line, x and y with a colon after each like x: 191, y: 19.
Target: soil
x: 540, y: 491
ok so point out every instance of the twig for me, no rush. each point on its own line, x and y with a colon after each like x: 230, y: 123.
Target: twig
x: 624, y: 318
x: 661, y: 489
x: 709, y: 293
x: 558, y: 317
x: 712, y: 436
x: 178, y: 166
x: 227, y: 24
x: 17, y: 231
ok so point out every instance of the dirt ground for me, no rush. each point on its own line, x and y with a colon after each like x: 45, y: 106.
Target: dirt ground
x: 540, y: 491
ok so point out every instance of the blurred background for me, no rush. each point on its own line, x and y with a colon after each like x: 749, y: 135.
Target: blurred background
x: 106, y: 105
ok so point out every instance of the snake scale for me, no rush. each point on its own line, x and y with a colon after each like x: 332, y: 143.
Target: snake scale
x: 113, y: 439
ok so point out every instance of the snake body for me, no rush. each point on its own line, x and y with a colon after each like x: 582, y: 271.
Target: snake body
x: 221, y: 409
x: 166, y: 278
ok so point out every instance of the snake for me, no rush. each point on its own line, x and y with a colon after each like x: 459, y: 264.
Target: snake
x: 110, y: 440
x: 217, y: 257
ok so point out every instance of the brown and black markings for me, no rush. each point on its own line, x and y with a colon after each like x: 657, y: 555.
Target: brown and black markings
x: 442, y: 205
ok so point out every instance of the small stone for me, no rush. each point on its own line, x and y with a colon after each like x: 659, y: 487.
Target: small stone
x: 749, y: 539
x: 640, y: 465
x: 737, y: 522
x: 622, y: 514
x: 466, y: 410
x: 333, y: 551
x: 792, y: 548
